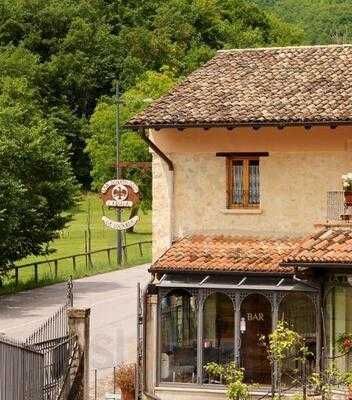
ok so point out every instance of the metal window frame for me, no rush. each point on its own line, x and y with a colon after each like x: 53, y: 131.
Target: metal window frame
x: 237, y: 295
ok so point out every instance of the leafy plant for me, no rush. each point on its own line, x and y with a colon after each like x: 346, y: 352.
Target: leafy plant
x: 344, y: 342
x: 232, y: 376
x: 325, y: 382
x: 281, y: 344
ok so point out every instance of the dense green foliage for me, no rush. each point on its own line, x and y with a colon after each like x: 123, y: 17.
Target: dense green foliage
x: 36, y: 183
x: 323, y: 21
x: 82, y: 45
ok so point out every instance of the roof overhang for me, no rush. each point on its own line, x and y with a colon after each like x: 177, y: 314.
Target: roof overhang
x: 333, y: 124
x: 313, y: 264
x: 242, y: 281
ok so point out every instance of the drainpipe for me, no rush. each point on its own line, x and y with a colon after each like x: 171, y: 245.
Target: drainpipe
x: 156, y: 149
x: 171, y: 167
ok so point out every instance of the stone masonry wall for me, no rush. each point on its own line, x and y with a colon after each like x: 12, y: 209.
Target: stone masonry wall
x: 293, y: 190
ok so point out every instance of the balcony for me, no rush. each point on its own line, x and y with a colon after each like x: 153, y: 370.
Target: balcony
x: 337, y: 210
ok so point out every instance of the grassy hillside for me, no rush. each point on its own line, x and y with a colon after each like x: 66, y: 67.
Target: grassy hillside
x: 72, y: 241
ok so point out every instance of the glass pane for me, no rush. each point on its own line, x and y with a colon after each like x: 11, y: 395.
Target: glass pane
x: 238, y: 182
x: 178, y: 338
x: 298, y: 310
x: 218, y: 332
x: 254, y: 182
x: 338, y: 320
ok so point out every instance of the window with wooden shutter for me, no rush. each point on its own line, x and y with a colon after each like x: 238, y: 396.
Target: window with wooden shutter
x: 243, y: 182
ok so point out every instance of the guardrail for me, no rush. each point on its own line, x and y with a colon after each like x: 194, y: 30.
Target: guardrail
x: 87, y: 259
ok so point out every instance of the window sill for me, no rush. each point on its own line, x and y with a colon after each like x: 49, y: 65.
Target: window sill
x: 242, y: 211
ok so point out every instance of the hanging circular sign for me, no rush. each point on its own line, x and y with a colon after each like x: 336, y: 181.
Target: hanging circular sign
x: 120, y: 193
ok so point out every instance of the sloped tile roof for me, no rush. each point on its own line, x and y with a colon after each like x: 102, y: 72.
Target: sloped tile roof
x: 225, y: 254
x: 331, y: 245
x: 292, y: 85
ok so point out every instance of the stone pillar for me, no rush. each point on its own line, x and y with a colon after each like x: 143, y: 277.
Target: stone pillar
x: 79, y: 322
x: 151, y: 344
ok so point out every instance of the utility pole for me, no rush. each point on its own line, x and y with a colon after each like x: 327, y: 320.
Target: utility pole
x: 118, y: 174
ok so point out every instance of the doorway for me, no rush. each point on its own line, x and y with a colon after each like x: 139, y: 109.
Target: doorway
x: 255, y: 322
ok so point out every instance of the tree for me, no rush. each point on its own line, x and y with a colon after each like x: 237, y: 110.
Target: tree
x: 81, y: 46
x: 36, y: 181
x: 101, y: 144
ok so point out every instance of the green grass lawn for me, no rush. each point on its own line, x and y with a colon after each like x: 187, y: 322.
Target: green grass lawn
x: 72, y: 241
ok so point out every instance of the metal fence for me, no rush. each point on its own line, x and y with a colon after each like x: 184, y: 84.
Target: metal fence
x: 21, y: 372
x: 51, y: 331
x: 38, y: 368
x: 87, y: 259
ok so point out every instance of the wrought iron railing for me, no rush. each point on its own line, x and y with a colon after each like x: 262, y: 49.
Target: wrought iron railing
x: 337, y: 210
x: 54, y: 328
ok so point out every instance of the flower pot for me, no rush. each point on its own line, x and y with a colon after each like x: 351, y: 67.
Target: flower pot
x: 127, y: 394
x: 349, y: 392
x: 348, y: 198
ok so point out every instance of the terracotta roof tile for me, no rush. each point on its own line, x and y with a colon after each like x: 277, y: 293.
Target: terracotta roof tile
x: 225, y: 254
x: 330, y: 245
x: 274, y: 85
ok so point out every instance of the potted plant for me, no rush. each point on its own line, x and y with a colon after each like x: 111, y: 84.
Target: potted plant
x: 347, y: 188
x: 125, y: 380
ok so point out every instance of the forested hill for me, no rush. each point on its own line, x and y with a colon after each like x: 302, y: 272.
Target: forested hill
x: 69, y: 51
x: 323, y: 21
x: 58, y: 62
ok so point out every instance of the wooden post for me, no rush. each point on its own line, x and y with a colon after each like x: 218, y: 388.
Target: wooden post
x: 86, y: 248
x: 74, y: 263
x: 16, y: 276
x: 109, y: 256
x: 140, y: 249
x: 36, y: 278
x: 56, y: 262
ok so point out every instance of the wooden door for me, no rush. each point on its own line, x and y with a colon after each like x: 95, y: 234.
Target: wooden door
x: 256, y: 311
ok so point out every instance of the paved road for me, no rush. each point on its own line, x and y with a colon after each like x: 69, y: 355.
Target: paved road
x: 112, y: 299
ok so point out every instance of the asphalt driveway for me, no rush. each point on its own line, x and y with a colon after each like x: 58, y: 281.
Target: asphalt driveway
x: 112, y: 299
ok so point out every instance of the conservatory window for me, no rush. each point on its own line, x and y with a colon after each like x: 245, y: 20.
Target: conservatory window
x: 178, y: 338
x: 298, y: 310
x: 338, y: 320
x: 218, y: 332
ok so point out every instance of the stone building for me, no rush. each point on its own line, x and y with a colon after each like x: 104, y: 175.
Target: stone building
x: 250, y: 223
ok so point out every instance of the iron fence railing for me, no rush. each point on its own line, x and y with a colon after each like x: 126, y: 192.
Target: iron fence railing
x: 336, y: 207
x: 51, y: 331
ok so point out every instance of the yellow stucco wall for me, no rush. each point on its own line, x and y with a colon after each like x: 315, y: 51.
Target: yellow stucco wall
x: 303, y: 165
